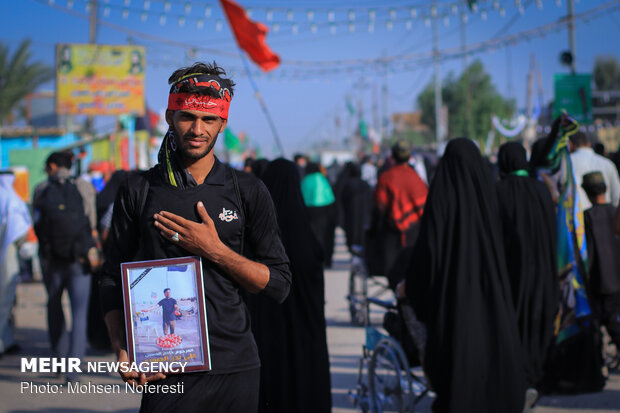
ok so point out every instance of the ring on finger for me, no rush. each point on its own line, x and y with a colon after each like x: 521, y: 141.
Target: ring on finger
x: 175, y: 237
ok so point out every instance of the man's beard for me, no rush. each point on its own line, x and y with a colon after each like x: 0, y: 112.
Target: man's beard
x: 187, y: 154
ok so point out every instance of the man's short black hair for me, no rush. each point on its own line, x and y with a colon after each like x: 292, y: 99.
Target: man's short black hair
x: 166, y: 289
x: 579, y: 139
x: 203, y: 68
x: 61, y: 159
x: 594, y: 184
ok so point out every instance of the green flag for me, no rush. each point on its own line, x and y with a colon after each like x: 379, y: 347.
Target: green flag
x: 363, y: 130
x: 350, y: 107
x: 231, y: 141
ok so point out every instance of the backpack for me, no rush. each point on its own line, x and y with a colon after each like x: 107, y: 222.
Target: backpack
x: 63, y: 228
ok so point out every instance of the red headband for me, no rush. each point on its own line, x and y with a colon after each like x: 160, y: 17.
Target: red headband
x: 178, y: 100
x: 203, y: 103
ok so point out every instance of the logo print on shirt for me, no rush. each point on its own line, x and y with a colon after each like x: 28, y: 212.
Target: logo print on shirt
x: 228, y: 215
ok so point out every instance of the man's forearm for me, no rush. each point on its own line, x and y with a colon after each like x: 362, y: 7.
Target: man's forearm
x: 252, y: 276
x: 116, y: 329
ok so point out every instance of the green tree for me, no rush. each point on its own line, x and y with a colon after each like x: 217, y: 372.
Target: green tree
x: 471, y: 100
x: 606, y: 73
x: 19, y: 77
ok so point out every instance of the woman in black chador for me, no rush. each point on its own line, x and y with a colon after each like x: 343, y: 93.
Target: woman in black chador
x: 291, y: 337
x: 530, y: 241
x: 458, y: 285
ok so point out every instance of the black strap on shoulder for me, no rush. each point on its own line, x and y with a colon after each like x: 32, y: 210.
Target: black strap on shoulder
x: 143, y: 194
x: 240, y: 202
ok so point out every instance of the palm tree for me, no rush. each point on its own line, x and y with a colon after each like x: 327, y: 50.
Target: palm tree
x: 19, y: 77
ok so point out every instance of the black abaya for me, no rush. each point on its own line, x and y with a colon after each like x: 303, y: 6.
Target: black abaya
x: 458, y: 285
x: 291, y: 337
x: 530, y: 241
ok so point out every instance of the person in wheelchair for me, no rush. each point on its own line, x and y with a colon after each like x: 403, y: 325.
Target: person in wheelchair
x: 457, y: 283
x: 398, y: 205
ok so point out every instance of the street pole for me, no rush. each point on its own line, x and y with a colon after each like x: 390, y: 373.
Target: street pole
x: 439, y: 136
x: 385, y: 122
x: 465, y: 73
x: 571, y: 35
x: 92, y: 39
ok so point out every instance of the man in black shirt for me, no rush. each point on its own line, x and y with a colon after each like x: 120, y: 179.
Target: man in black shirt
x: 192, y: 204
x: 168, y: 308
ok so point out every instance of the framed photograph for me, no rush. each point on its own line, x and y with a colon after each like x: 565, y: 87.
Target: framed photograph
x: 165, y: 313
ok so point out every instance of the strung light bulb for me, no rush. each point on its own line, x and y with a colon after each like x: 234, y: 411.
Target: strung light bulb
x: 313, y: 28
x: 289, y: 15
x: 127, y: 2
x: 446, y: 21
x: 454, y: 9
x: 558, y: 3
x: 125, y: 13
x: 539, y: 4
x: 331, y: 15
x: 351, y: 15
x: 371, y: 14
x: 502, y: 12
x: 208, y: 11
x: 295, y: 29
x: 464, y: 17
x: 427, y: 22
x: 434, y: 11
x: 181, y: 21
x: 162, y: 19
x: 409, y: 24
x: 413, y: 12
x: 371, y: 28
x: 310, y: 15
x: 188, y: 7
x: 332, y: 28
x: 200, y: 23
x: 483, y: 15
x: 389, y: 25
x: 392, y: 14
x: 106, y: 11
x: 147, y: 4
x: 69, y: 4
x: 276, y: 27
x: 248, y: 12
x: 496, y: 5
x: 166, y: 6
x: 351, y: 27
x: 218, y: 25
x: 87, y: 7
x: 269, y: 15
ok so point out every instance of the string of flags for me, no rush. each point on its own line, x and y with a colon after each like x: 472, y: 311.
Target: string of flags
x: 295, y: 20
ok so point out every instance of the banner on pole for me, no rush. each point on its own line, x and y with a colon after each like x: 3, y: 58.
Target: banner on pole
x: 96, y: 79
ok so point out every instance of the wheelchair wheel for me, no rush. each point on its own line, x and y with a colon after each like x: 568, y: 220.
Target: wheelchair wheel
x: 389, y: 379
x: 358, y: 294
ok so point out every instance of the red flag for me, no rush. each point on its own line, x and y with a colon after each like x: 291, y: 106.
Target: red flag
x: 250, y: 36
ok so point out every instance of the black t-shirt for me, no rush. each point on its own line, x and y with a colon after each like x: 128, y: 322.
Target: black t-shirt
x: 133, y: 237
x: 603, y: 246
x: 167, y: 308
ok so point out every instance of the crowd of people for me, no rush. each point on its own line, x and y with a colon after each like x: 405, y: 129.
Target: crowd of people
x: 512, y: 266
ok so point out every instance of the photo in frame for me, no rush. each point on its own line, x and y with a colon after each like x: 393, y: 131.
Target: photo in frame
x: 165, y: 312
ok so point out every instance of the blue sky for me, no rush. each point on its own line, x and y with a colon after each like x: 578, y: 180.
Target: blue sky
x: 307, y: 94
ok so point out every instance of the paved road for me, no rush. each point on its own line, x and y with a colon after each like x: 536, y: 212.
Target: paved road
x: 345, y: 346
